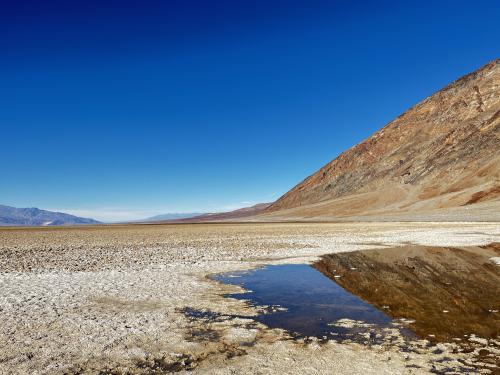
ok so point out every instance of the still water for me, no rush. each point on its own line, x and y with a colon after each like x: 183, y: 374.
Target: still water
x: 303, y: 301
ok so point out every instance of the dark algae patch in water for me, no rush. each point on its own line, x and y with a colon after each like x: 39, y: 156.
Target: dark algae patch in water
x: 451, y: 294
x: 306, y: 303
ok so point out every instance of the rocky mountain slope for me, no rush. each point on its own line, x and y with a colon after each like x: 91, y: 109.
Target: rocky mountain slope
x: 11, y: 216
x: 444, y: 153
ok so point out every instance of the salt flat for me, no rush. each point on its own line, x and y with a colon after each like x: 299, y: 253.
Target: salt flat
x: 110, y: 299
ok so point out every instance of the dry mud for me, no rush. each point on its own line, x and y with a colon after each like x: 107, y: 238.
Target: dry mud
x: 136, y: 299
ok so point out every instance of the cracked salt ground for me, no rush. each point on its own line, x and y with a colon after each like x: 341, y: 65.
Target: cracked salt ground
x: 110, y: 299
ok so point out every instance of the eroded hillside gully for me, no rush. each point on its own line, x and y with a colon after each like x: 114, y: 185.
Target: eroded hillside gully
x: 416, y: 299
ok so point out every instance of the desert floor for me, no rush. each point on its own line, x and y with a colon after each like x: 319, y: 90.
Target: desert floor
x: 111, y: 299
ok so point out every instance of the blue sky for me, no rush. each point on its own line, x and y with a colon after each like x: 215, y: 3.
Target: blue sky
x: 123, y: 109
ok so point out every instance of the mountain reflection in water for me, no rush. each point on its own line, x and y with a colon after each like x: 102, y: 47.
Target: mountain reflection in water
x: 450, y: 293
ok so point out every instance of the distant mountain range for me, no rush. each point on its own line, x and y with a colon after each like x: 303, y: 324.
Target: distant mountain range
x: 234, y: 215
x: 12, y: 216
x: 207, y: 217
x: 240, y: 213
x: 176, y: 216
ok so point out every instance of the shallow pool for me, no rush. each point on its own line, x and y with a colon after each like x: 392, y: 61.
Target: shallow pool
x: 301, y: 300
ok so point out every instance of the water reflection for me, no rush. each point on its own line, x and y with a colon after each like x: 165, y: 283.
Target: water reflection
x: 448, y: 294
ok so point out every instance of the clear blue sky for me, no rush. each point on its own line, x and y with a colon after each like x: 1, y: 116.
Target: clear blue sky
x: 122, y: 109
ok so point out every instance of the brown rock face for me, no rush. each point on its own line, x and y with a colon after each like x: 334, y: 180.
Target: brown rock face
x: 444, y: 152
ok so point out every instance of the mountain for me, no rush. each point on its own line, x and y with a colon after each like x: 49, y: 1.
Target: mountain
x: 11, y: 216
x: 176, y: 216
x: 241, y: 213
x: 440, y: 159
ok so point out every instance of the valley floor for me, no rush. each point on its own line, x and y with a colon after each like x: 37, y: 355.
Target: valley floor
x: 113, y: 299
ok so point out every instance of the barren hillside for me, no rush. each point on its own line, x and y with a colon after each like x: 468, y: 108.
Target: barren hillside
x: 442, y: 154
